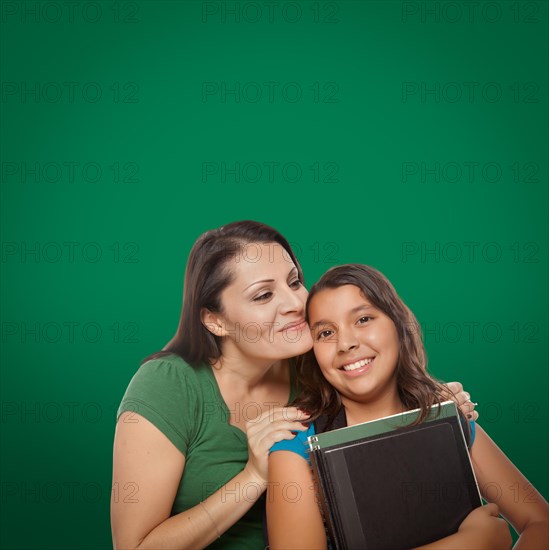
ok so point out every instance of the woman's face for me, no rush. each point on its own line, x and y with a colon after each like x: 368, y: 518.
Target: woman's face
x: 264, y: 307
x: 355, y: 344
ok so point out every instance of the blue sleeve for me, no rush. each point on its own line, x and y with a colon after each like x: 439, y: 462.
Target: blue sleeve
x: 297, y: 445
x: 473, y: 431
x: 468, y: 427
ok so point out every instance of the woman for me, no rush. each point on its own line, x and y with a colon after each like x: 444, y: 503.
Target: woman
x: 198, y: 419
x: 369, y: 362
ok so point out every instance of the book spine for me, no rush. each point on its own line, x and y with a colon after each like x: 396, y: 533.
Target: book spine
x: 321, y: 481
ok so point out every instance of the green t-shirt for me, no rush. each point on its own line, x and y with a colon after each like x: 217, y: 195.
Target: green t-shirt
x: 185, y: 404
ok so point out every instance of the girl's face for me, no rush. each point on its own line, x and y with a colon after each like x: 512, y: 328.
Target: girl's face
x: 355, y: 344
x: 264, y: 307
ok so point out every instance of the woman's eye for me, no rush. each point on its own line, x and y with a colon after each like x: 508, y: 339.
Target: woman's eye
x: 296, y: 283
x: 364, y: 319
x: 265, y: 296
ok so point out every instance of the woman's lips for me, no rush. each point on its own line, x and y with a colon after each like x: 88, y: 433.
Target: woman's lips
x: 293, y: 326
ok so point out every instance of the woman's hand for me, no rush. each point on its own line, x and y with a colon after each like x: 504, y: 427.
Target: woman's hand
x: 462, y: 399
x: 486, y: 529
x: 264, y: 431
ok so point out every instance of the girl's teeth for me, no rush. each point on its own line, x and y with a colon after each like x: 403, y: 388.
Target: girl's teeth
x: 357, y: 365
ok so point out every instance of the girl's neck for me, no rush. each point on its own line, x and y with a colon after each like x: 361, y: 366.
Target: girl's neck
x: 384, y: 405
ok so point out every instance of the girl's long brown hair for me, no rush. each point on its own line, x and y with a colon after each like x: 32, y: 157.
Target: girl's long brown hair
x: 416, y: 388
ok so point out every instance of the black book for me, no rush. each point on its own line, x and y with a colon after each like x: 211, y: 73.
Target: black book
x: 387, y: 485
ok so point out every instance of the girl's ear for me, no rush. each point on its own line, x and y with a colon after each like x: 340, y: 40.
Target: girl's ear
x: 213, y: 322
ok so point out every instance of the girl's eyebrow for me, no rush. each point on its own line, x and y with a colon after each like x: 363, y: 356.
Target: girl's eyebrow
x: 321, y: 322
x: 360, y: 308
x: 356, y: 309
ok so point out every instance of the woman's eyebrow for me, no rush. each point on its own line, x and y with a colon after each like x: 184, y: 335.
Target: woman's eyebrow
x: 291, y: 271
x: 257, y: 282
x: 269, y: 280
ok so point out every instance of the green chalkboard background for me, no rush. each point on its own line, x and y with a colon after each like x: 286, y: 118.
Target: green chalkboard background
x: 411, y: 136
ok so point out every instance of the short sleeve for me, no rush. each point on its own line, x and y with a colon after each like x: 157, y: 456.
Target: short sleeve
x: 297, y: 445
x: 473, y: 431
x: 166, y: 394
x: 468, y: 427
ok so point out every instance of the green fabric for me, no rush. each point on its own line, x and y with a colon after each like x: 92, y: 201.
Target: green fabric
x: 185, y: 404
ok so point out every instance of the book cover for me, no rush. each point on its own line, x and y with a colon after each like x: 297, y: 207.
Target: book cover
x: 388, y: 485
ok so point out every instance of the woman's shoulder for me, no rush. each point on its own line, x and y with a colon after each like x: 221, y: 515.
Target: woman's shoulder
x: 164, y: 383
x: 166, y: 358
x: 165, y: 368
x: 166, y: 392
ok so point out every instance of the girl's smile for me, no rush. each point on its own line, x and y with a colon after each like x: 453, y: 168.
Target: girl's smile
x: 358, y: 367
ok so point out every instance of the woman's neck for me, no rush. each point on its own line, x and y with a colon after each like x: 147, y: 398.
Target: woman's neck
x: 246, y: 373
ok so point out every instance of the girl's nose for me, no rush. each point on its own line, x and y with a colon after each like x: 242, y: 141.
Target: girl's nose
x: 347, y: 340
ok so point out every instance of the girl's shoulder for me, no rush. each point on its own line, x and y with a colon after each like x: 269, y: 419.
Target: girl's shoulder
x: 469, y: 430
x: 298, y: 445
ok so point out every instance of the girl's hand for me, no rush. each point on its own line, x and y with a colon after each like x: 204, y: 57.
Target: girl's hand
x: 485, y: 529
x: 482, y: 529
x: 264, y: 431
x: 462, y: 399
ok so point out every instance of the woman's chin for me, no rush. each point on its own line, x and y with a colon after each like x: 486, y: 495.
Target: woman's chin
x: 301, y: 347
x: 293, y: 350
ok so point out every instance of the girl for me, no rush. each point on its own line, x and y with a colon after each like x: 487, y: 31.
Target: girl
x: 198, y: 419
x: 369, y: 362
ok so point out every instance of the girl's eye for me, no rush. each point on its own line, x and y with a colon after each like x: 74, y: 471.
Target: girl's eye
x: 263, y: 297
x: 323, y: 334
x: 364, y: 319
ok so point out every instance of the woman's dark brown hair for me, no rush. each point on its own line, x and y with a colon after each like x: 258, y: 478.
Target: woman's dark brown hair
x: 206, y: 276
x: 416, y: 388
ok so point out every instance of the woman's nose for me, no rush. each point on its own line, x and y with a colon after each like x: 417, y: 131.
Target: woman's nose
x: 292, y: 302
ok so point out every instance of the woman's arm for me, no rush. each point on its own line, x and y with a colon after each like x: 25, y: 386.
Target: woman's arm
x: 293, y: 516
x: 501, y: 482
x: 147, y: 471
